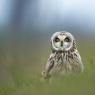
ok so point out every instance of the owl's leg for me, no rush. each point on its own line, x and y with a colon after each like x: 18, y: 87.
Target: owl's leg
x: 48, y: 67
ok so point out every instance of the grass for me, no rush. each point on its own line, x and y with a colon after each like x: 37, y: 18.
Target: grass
x: 21, y: 67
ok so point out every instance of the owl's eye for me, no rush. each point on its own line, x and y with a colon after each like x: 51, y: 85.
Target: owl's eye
x: 57, y: 39
x: 67, y: 39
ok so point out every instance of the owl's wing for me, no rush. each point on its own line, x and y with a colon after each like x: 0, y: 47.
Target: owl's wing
x: 49, y: 66
x: 76, y: 62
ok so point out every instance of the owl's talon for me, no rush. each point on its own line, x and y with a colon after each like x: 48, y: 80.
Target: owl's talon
x: 45, y: 75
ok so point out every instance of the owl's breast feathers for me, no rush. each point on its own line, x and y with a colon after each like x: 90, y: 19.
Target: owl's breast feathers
x: 69, y: 60
x: 63, y: 56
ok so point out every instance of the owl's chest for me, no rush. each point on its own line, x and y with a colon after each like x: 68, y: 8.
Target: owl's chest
x: 60, y: 58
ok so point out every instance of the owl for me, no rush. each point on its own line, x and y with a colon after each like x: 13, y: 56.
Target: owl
x: 64, y: 56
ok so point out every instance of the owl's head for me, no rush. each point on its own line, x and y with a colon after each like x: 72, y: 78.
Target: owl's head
x: 62, y: 41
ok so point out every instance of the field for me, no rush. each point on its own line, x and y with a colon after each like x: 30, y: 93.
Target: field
x: 22, y: 60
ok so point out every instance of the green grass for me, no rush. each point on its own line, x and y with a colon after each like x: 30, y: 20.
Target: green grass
x: 21, y: 67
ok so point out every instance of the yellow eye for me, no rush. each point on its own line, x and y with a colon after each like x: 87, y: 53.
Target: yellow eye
x: 57, y: 39
x: 67, y: 39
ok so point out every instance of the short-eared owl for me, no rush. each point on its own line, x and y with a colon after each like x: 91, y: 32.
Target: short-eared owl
x: 64, y: 56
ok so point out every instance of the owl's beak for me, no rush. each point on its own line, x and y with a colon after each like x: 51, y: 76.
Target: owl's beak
x: 61, y: 43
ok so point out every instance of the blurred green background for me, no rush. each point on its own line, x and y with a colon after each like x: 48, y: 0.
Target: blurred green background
x: 23, y: 57
x: 25, y: 30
